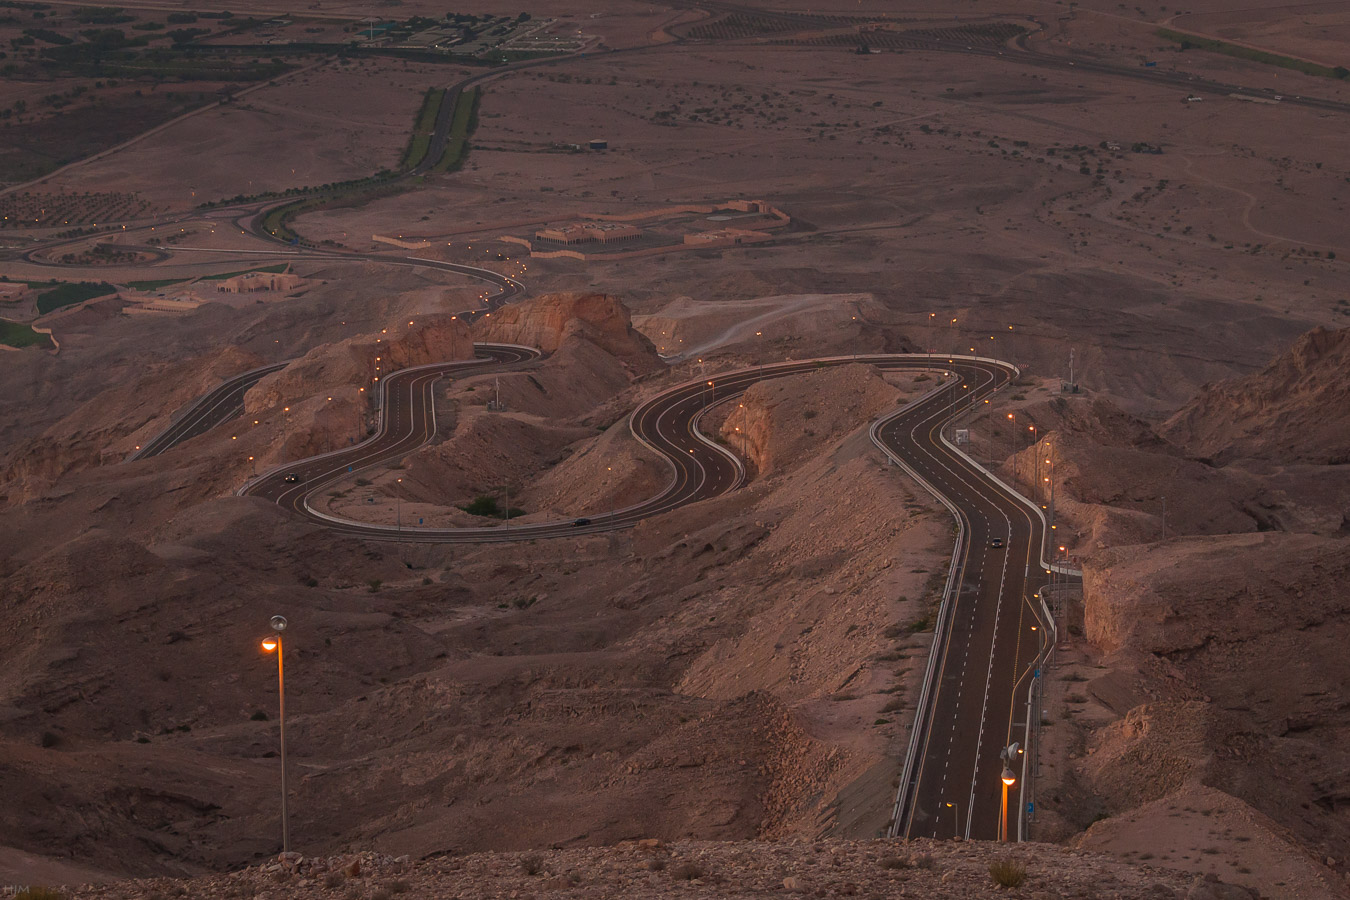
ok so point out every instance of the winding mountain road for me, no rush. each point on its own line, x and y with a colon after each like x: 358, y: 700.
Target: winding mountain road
x: 227, y: 400
x: 989, y: 628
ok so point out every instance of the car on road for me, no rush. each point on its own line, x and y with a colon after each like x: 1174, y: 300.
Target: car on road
x: 996, y: 543
x: 291, y: 478
x: 582, y: 521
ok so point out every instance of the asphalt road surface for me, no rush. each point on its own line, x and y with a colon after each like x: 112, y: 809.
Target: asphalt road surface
x: 205, y: 413
x: 988, y: 637
x: 227, y: 401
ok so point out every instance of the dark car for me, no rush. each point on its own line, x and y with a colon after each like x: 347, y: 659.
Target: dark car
x: 582, y: 521
x: 291, y: 478
x: 996, y: 543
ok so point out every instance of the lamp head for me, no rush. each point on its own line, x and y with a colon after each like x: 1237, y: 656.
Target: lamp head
x: 269, y: 644
x: 1008, y: 777
x: 278, y: 623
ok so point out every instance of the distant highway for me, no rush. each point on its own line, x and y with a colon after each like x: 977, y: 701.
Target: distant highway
x: 1021, y: 55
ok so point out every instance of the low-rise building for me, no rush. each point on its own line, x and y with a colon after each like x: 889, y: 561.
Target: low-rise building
x: 13, y: 292
x: 588, y: 232
x: 256, y: 282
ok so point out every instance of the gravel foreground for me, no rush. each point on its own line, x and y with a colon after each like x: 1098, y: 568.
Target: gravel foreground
x: 653, y: 869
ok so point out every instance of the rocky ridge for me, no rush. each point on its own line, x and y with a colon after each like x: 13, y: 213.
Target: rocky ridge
x: 549, y: 321
x: 1290, y: 411
x: 654, y: 870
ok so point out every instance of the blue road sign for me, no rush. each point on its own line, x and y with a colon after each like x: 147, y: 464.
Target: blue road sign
x: 1038, y: 674
x: 419, y: 520
x: 1031, y: 807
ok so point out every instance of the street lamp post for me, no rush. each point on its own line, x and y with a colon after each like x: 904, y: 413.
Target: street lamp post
x: 1036, y: 445
x: 956, y: 818
x: 745, y: 432
x: 990, y: 410
x: 1050, y: 479
x: 269, y: 644
x: 1007, y: 754
x: 1012, y: 437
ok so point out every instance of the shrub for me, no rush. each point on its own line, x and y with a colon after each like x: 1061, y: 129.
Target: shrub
x: 896, y: 862
x: 50, y: 739
x: 483, y: 505
x: 259, y: 716
x: 1007, y: 872
x: 532, y: 864
x: 333, y: 880
x: 375, y: 585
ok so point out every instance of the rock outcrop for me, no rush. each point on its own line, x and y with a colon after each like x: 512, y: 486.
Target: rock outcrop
x: 1293, y: 410
x: 548, y: 322
x: 1185, y: 594
x: 780, y: 422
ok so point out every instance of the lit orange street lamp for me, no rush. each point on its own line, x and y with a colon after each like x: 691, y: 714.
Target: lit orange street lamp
x: 1008, y: 780
x: 270, y: 643
x: 1007, y: 754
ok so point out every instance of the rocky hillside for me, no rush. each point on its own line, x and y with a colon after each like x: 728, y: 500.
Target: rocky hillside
x: 1293, y: 410
x: 548, y: 322
x: 111, y: 426
x: 426, y: 339
x: 653, y: 870
x: 1220, y: 669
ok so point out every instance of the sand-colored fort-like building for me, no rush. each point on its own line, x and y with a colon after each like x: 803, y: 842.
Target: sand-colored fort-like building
x: 590, y: 232
x: 256, y: 282
x: 13, y: 291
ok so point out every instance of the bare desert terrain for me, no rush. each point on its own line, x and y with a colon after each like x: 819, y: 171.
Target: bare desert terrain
x: 1157, y: 194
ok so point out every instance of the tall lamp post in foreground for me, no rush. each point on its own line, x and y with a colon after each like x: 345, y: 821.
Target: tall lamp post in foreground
x: 1007, y: 754
x: 270, y: 643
